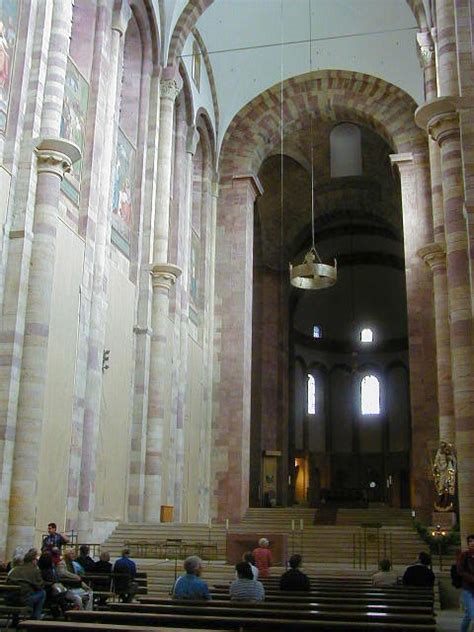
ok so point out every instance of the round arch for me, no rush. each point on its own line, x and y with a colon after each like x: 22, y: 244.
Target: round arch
x: 330, y: 94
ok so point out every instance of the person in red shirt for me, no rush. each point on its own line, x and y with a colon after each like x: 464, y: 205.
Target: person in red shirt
x: 263, y: 557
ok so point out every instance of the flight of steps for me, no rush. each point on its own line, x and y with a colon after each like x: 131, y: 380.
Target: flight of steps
x: 323, y: 547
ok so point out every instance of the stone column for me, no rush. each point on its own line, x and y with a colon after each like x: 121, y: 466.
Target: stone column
x: 418, y: 230
x: 441, y: 120
x: 447, y: 63
x: 233, y: 347
x: 434, y: 256
x: 86, y: 442
x: 164, y: 275
x: 54, y: 158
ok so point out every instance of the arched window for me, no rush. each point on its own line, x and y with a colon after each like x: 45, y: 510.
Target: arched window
x: 317, y: 331
x: 370, y: 395
x: 366, y: 335
x: 346, y: 152
x: 311, y: 395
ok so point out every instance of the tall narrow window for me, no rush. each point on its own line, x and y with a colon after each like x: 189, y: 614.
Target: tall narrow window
x: 311, y: 394
x: 370, y: 395
x: 346, y: 150
x: 317, y: 331
x: 366, y: 335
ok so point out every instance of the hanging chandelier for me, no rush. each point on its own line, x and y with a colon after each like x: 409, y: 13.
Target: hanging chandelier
x: 312, y: 274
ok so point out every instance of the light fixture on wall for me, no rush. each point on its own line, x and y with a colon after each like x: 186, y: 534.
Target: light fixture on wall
x: 312, y: 274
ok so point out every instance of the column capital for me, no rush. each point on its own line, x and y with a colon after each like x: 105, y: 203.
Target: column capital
x: 402, y: 161
x: 170, y: 88
x: 164, y: 275
x: 121, y: 16
x: 56, y: 155
x: 434, y: 255
x: 192, y: 140
x: 251, y: 180
x: 426, y: 49
x: 439, y: 117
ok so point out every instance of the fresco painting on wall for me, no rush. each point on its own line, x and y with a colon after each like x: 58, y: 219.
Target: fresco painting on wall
x: 9, y: 12
x: 73, y: 124
x: 123, y: 194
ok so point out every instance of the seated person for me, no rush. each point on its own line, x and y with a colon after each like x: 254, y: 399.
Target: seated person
x: 87, y: 563
x: 78, y: 592
x: 245, y: 587
x: 28, y: 577
x: 249, y: 558
x: 55, y: 591
x: 103, y: 567
x: 191, y: 586
x: 385, y: 576
x: 125, y: 571
x: 53, y: 539
x: 294, y: 579
x: 419, y: 574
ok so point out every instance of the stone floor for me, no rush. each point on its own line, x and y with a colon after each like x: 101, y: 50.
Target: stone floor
x: 449, y: 620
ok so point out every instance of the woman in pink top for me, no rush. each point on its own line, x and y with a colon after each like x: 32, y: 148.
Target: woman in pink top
x: 263, y: 557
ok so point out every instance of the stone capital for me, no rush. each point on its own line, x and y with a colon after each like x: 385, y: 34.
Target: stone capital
x: 251, y: 180
x: 56, y: 155
x: 426, y: 49
x: 434, y: 255
x: 170, y: 88
x: 402, y: 161
x: 439, y: 118
x: 164, y: 275
x: 192, y: 139
x: 121, y: 16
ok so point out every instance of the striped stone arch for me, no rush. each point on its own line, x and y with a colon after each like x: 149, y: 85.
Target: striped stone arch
x: 195, y: 8
x: 186, y: 21
x: 337, y: 95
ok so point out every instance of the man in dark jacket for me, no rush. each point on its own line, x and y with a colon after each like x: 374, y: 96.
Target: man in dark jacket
x: 28, y: 577
x: 419, y: 574
x: 85, y: 560
x: 294, y: 579
x: 465, y: 568
x: 125, y: 571
x: 103, y: 567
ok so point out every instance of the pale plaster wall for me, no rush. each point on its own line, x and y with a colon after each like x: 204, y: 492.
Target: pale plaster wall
x: 114, y: 433
x: 194, y: 419
x: 56, y: 435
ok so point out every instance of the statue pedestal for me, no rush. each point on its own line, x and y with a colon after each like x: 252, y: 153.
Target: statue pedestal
x: 445, y: 519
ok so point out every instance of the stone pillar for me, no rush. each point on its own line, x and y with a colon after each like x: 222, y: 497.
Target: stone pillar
x: 233, y: 347
x: 142, y: 329
x: 54, y: 158
x: 447, y: 63
x: 418, y: 230
x: 434, y: 256
x: 88, y: 439
x: 164, y: 275
x: 441, y: 120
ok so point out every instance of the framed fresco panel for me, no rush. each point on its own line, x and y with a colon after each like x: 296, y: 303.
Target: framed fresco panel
x: 73, y: 124
x: 122, y: 194
x: 9, y: 17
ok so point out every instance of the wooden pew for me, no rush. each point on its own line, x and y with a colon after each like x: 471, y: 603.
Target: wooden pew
x: 11, y: 614
x: 310, y: 605
x: 69, y: 626
x: 259, y: 620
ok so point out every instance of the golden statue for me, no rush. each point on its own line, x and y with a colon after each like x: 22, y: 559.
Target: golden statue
x: 444, y: 474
